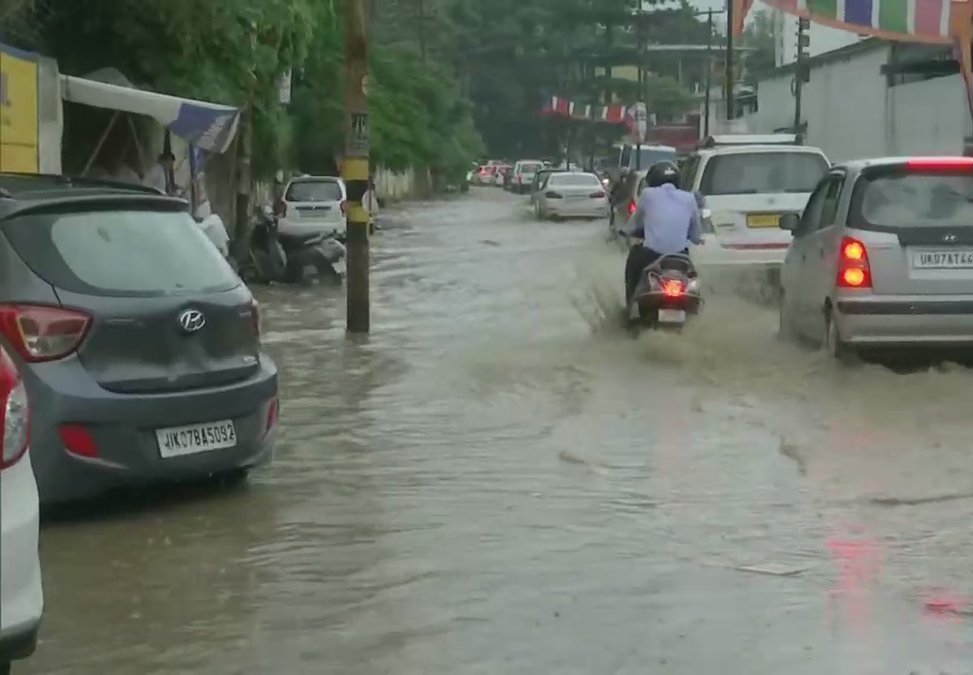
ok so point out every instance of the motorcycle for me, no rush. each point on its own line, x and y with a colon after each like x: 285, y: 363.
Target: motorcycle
x: 291, y: 258
x: 667, y: 295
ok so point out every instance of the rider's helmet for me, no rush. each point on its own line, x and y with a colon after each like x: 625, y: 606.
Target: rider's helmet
x: 661, y: 173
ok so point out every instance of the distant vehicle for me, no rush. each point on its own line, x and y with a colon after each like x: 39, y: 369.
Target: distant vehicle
x: 571, y: 194
x: 21, y: 592
x: 500, y: 175
x: 138, y: 344
x: 276, y: 257
x: 312, y: 205
x: 484, y: 175
x: 641, y: 158
x: 522, y: 175
x: 745, y: 189
x: 882, y: 257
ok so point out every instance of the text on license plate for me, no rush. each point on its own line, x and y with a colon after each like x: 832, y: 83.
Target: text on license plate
x: 945, y: 260
x: 672, y: 316
x: 763, y: 220
x: 188, y: 440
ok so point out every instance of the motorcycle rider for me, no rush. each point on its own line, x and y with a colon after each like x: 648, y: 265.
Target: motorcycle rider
x: 666, y: 218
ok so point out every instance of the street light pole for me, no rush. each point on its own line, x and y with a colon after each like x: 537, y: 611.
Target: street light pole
x: 709, y: 69
x: 354, y: 168
x: 729, y: 60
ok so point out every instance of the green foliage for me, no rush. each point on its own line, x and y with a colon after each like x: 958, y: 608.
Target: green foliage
x: 759, y: 34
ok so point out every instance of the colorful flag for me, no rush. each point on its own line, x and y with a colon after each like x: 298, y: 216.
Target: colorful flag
x: 926, y: 21
x: 740, y: 10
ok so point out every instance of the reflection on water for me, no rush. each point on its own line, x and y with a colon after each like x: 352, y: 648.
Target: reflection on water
x: 499, y: 480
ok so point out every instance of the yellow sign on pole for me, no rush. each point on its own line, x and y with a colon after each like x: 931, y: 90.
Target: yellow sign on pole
x: 18, y: 111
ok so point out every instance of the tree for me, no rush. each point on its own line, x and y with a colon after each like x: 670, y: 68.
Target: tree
x: 760, y: 36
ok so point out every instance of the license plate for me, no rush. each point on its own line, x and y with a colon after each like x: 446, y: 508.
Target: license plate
x: 672, y: 316
x: 763, y: 220
x: 195, y: 438
x: 943, y: 260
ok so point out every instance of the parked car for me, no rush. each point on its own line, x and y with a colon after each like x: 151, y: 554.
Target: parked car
x: 747, y: 183
x: 484, y: 175
x: 571, y: 194
x: 138, y: 344
x: 313, y: 204
x: 882, y: 256
x: 522, y: 175
x: 21, y: 593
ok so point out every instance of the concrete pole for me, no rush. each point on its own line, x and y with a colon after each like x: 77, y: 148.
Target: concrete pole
x: 354, y: 169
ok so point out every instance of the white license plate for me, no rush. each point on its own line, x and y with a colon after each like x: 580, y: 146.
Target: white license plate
x: 943, y: 260
x: 194, y: 438
x: 672, y: 316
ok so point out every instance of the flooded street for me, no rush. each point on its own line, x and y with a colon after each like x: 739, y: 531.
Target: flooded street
x: 500, y: 481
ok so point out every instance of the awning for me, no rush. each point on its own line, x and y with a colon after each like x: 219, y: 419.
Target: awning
x: 208, y: 126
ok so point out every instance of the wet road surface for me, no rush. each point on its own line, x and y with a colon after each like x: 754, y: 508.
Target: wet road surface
x: 498, y: 481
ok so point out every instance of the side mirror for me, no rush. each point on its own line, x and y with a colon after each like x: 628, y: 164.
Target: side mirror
x: 789, y: 222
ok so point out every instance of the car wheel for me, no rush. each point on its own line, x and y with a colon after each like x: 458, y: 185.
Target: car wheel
x: 837, y: 348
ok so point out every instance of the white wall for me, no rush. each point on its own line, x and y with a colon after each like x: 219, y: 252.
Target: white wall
x: 851, y: 113
x: 822, y: 38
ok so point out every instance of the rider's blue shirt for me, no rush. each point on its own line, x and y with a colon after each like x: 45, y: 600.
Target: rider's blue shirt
x: 667, y: 218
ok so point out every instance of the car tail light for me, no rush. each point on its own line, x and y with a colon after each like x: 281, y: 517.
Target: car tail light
x: 78, y: 440
x: 273, y: 414
x: 43, y: 333
x: 16, y: 412
x: 853, y: 268
x: 597, y: 195
x: 672, y: 288
x: 938, y: 164
x: 632, y: 208
x: 255, y: 317
x: 550, y: 194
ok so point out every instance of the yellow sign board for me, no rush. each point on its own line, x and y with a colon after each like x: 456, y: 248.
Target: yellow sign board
x: 18, y: 111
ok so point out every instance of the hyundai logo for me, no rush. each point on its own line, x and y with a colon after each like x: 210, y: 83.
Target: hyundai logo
x: 191, y: 320
x: 949, y: 238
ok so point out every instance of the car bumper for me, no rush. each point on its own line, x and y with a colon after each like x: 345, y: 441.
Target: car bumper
x: 716, y: 253
x: 123, y: 428
x: 583, y: 209
x: 905, y: 321
x: 21, y: 592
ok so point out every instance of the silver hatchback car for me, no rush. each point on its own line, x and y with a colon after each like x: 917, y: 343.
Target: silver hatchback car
x: 882, y: 257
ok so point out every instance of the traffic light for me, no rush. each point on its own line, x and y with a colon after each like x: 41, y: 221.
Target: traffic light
x: 803, y: 42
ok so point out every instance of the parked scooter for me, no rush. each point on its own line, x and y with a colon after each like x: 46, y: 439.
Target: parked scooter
x: 288, y: 258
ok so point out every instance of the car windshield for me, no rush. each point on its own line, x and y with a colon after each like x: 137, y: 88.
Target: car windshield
x: 762, y: 172
x: 125, y: 252
x: 314, y: 191
x: 916, y: 200
x: 574, y: 180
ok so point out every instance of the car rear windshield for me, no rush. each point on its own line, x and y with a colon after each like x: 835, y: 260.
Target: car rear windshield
x: 314, y: 191
x: 914, y: 200
x: 647, y: 156
x: 574, y: 180
x: 121, y: 252
x: 530, y: 167
x: 762, y: 172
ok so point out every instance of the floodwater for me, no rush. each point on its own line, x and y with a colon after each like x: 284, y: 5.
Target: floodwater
x: 499, y: 481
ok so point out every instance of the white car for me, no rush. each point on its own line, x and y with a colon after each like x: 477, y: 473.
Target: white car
x: 747, y: 184
x: 313, y: 204
x: 571, y: 194
x: 21, y: 594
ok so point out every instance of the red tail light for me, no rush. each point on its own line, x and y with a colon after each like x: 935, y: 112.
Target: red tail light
x: 597, y: 195
x: 853, y: 268
x: 938, y: 164
x: 15, y: 411
x: 77, y: 440
x: 632, y: 208
x: 43, y: 333
x: 273, y: 414
x: 672, y: 288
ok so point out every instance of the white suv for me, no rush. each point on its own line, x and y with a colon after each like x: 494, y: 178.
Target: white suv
x: 313, y: 204
x: 21, y: 595
x: 747, y: 183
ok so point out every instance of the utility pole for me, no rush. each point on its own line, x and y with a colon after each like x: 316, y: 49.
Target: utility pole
x: 709, y: 70
x: 729, y: 60
x: 244, y: 175
x: 802, y: 74
x: 354, y: 168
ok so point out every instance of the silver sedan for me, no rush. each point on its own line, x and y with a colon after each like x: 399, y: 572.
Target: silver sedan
x: 571, y: 194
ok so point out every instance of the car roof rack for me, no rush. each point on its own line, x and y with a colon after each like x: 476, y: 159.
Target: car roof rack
x: 749, y: 139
